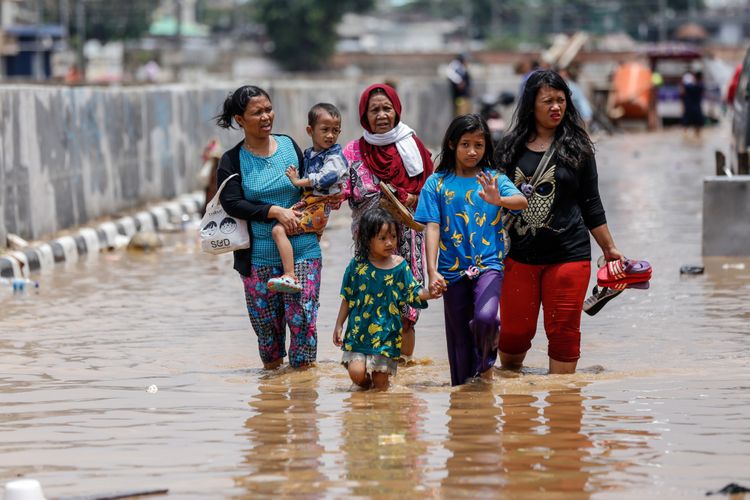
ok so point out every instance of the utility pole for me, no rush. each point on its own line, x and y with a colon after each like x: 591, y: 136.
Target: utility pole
x: 178, y: 40
x: 63, y: 6
x: 38, y: 48
x: 662, y: 20
x: 81, y: 31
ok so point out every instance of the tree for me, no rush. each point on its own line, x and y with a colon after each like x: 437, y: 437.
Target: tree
x: 105, y: 19
x: 303, y: 32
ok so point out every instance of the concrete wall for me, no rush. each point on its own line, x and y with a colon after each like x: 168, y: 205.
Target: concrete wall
x: 72, y: 154
x: 726, y: 216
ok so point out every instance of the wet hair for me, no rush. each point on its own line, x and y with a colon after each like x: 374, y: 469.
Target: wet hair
x: 236, y: 103
x: 369, y: 226
x: 322, y: 107
x: 464, y: 124
x: 572, y: 143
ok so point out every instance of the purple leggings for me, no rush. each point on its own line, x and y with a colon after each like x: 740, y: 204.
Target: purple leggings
x: 472, y: 324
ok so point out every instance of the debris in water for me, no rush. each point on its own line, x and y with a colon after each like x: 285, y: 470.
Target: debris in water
x: 688, y: 269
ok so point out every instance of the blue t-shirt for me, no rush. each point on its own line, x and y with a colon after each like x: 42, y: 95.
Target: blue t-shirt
x: 471, y: 230
x: 264, y: 180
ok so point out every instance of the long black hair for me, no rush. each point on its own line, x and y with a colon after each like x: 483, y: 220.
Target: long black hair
x: 369, y: 226
x: 464, y: 124
x: 236, y: 103
x: 572, y: 143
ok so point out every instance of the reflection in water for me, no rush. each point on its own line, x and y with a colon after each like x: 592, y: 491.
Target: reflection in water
x: 382, y: 446
x: 475, y: 441
x: 544, y: 448
x: 285, y: 453
x: 527, y: 444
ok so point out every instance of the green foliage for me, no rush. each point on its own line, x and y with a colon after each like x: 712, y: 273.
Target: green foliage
x: 106, y: 20
x: 303, y: 32
x: 504, y: 23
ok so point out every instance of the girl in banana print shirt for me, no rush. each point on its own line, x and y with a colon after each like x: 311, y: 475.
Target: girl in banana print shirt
x: 461, y: 206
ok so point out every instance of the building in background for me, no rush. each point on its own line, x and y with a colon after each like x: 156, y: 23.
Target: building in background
x: 27, y: 45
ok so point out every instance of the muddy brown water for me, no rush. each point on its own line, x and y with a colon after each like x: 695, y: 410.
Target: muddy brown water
x: 659, y: 407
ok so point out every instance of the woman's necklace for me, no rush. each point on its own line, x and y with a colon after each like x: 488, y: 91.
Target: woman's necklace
x: 262, y: 152
x: 539, y: 144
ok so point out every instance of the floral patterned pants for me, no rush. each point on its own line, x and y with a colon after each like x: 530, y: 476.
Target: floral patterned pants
x: 271, y: 312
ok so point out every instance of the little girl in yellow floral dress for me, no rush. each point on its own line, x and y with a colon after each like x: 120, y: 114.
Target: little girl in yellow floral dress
x: 376, y: 286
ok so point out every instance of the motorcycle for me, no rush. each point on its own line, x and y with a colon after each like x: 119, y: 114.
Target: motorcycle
x: 489, y: 109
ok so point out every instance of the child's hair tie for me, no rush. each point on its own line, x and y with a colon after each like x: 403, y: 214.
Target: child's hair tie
x: 472, y: 272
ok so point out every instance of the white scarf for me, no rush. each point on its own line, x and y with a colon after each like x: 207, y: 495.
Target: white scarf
x: 406, y: 146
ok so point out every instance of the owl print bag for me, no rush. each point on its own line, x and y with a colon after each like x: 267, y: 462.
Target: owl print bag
x: 529, y: 190
x: 219, y: 231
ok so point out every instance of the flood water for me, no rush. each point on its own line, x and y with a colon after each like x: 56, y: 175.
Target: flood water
x: 658, y: 409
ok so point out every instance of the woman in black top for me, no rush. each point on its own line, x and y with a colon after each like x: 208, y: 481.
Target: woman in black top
x: 549, y: 263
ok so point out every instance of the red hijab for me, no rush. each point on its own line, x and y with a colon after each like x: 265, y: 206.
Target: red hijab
x: 384, y: 161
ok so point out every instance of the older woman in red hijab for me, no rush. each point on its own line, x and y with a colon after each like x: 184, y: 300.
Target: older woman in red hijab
x: 388, y: 151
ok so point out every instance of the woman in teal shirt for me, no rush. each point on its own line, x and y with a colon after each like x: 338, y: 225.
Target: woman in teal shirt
x: 262, y: 195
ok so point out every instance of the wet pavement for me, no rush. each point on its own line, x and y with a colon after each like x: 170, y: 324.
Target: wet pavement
x: 659, y: 407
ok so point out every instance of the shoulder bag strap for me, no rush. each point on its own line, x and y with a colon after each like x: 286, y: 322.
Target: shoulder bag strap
x: 543, y: 164
x: 215, y: 200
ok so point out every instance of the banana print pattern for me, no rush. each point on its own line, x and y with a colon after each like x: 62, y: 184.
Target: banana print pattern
x: 471, y: 230
x: 375, y: 298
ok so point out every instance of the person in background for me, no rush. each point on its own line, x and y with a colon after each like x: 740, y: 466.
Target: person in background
x: 389, y: 151
x: 549, y: 263
x: 207, y: 174
x: 263, y: 195
x: 578, y: 96
x: 459, y: 79
x: 691, y: 93
x: 525, y: 69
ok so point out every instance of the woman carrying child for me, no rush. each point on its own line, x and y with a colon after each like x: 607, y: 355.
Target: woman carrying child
x: 323, y: 170
x: 377, y: 285
x: 461, y: 207
x: 388, y: 151
x: 262, y: 194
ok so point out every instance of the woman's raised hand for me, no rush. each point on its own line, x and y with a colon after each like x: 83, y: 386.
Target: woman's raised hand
x: 490, y: 191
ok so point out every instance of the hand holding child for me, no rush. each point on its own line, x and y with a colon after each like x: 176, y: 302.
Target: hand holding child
x: 338, y: 340
x: 438, y: 286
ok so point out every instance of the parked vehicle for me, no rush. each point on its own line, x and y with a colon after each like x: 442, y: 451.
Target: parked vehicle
x: 740, y: 141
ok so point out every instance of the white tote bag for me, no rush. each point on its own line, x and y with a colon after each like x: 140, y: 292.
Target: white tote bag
x: 219, y: 231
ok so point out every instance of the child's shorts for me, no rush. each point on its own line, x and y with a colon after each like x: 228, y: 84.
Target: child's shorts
x: 315, y: 211
x: 373, y: 362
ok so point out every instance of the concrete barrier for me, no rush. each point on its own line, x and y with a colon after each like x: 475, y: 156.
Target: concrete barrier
x: 726, y: 216
x: 90, y: 240
x: 72, y: 154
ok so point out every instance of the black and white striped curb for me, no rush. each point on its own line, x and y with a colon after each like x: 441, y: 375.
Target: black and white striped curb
x: 89, y: 240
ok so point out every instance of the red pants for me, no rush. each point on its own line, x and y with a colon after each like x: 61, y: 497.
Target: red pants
x: 560, y: 289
